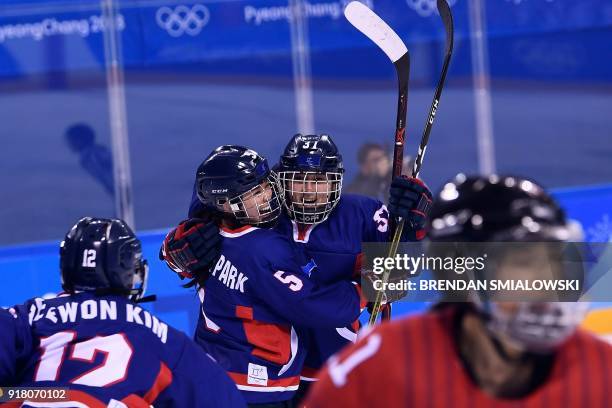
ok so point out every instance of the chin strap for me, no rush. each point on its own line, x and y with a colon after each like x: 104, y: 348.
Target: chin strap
x: 497, y: 345
x: 494, y: 337
x: 146, y: 299
x: 499, y: 348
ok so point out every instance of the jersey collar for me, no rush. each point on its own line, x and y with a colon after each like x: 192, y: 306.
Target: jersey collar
x: 238, y: 232
x: 299, y: 236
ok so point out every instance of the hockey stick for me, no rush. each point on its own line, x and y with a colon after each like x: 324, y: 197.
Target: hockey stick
x: 370, y: 24
x: 373, y: 27
x: 447, y: 19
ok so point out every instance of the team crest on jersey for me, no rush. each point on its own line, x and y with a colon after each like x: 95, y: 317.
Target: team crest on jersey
x: 309, y: 267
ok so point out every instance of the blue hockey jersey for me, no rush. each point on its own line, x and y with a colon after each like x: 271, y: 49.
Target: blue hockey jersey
x: 108, y: 348
x: 255, y: 304
x: 335, y: 246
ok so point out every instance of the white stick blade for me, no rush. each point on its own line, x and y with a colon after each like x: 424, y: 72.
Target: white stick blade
x: 366, y: 21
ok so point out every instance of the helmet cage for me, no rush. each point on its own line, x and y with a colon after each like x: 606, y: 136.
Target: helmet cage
x: 537, y: 327
x: 261, y: 214
x: 299, y: 187
x: 130, y: 257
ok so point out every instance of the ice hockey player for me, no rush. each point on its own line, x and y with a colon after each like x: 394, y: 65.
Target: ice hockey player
x: 98, y: 343
x: 328, y: 225
x: 259, y: 296
x: 10, y: 350
x: 485, y: 352
x: 332, y: 226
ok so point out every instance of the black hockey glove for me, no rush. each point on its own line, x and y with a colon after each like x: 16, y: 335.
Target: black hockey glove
x: 410, y: 199
x: 191, y: 248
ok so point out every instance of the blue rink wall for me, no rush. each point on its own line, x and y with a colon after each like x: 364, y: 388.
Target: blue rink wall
x: 32, y: 270
x: 230, y: 79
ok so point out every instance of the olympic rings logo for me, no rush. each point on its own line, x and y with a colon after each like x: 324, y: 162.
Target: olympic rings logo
x: 183, y: 19
x: 426, y: 8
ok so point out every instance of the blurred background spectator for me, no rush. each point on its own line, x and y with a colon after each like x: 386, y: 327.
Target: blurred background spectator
x: 374, y: 172
x: 375, y: 166
x: 94, y: 158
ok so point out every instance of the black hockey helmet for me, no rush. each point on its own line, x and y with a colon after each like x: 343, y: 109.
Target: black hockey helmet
x: 230, y: 174
x: 504, y: 209
x: 310, y: 166
x: 497, y: 208
x: 103, y: 256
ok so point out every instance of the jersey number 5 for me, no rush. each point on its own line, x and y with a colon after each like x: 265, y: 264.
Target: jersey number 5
x: 113, y: 369
x: 295, y: 283
x: 381, y: 218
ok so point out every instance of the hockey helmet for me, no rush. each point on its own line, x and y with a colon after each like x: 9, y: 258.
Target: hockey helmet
x: 236, y: 180
x: 103, y: 256
x: 310, y: 174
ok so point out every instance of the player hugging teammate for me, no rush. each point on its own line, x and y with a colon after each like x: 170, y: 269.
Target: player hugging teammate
x: 316, y: 224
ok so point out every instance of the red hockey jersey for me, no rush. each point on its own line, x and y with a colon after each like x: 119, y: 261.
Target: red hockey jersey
x: 413, y: 362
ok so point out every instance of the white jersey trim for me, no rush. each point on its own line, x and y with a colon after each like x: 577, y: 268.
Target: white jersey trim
x: 294, y: 348
x: 228, y: 234
x: 347, y: 334
x: 209, y: 323
x: 266, y: 389
x: 62, y: 404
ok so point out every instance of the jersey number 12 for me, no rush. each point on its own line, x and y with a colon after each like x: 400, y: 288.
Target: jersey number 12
x: 112, y: 370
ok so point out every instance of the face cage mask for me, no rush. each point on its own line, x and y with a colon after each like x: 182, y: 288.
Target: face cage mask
x: 537, y: 327
x: 301, y: 195
x: 266, y: 213
x: 141, y: 277
x: 138, y: 284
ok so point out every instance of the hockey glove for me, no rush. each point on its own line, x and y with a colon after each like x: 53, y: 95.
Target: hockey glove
x: 410, y: 199
x: 191, y: 248
x: 371, y: 284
